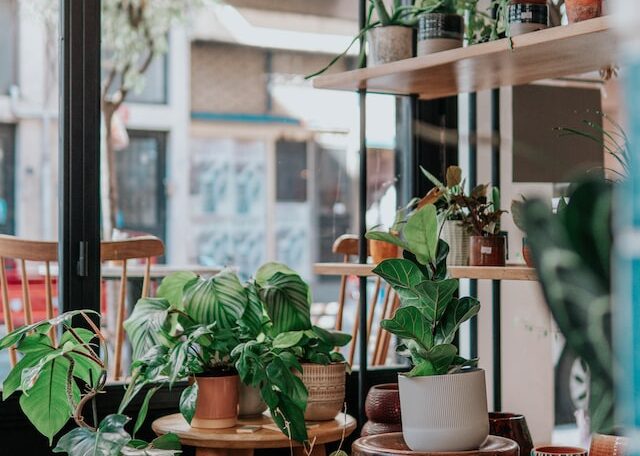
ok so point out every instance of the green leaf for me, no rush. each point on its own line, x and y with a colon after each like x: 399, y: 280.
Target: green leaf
x: 289, y: 417
x: 173, y: 286
x: 287, y: 339
x: 410, y: 323
x: 286, y: 297
x: 188, y: 402
x: 144, y: 408
x: 332, y: 338
x: 404, y: 276
x: 220, y: 299
x: 421, y: 234
x: 144, y: 326
x: 289, y: 384
x: 109, y: 439
x: 386, y: 237
x: 422, y: 369
x: 253, y: 314
x: 434, y: 298
x: 166, y: 442
x: 84, y: 368
x: 46, y: 405
x: 12, y: 382
x: 441, y: 357
x: 458, y: 311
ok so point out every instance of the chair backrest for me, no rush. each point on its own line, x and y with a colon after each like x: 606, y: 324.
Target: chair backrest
x: 21, y: 251
x: 142, y: 248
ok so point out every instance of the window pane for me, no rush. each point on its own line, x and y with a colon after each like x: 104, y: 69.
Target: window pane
x: 9, y: 43
x: 155, y: 85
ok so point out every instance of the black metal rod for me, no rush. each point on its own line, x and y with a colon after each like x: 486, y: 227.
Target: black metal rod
x: 473, y: 181
x: 363, y: 254
x: 495, y: 285
x: 79, y: 161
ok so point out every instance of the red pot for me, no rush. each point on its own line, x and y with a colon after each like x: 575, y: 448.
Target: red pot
x: 581, y: 10
x: 487, y: 251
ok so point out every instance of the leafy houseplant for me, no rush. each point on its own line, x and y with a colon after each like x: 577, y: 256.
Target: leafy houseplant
x: 280, y: 360
x: 190, y: 331
x: 427, y: 324
x: 383, y: 244
x: 58, y: 380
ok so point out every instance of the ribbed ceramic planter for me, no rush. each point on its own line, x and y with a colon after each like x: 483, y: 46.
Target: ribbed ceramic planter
x: 250, y: 402
x: 388, y: 44
x: 326, y: 386
x: 457, y: 237
x: 444, y: 412
x: 439, y: 32
x: 217, y: 403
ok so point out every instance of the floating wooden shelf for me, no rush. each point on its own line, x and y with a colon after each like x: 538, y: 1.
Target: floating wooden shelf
x: 510, y: 272
x: 556, y: 52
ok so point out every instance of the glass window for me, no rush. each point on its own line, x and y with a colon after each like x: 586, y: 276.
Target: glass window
x: 291, y: 179
x: 7, y: 194
x: 8, y: 48
x: 155, y: 84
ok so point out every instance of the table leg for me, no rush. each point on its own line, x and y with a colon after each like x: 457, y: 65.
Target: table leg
x: 318, y: 450
x: 224, y: 452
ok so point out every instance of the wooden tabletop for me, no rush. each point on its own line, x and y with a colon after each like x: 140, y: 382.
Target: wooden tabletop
x: 321, y: 431
x: 393, y: 444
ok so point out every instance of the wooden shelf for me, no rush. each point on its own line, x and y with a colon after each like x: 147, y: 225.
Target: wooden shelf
x: 552, y: 53
x: 509, y: 272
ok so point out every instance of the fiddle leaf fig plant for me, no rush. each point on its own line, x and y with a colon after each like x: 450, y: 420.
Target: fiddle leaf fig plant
x: 431, y: 313
x: 58, y: 379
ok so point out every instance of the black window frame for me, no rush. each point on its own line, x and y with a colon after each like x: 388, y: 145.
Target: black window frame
x: 8, y: 131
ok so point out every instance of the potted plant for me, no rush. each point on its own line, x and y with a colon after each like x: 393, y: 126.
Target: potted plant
x: 58, y: 380
x: 581, y: 10
x: 434, y: 417
x: 487, y: 246
x: 190, y: 331
x: 383, y: 244
x: 294, y: 364
x: 441, y: 25
x: 453, y: 231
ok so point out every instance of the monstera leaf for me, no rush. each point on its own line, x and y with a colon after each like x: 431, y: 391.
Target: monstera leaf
x: 286, y: 297
x: 220, y: 299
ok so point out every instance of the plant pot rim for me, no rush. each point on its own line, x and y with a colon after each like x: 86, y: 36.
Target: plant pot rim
x: 505, y: 416
x: 460, y: 372
x: 390, y: 26
x: 333, y: 363
x: 435, y: 13
x: 217, y: 373
x: 385, y: 387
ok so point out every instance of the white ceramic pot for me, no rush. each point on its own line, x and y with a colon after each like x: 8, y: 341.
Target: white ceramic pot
x: 444, y: 412
x: 458, y: 239
x: 388, y: 44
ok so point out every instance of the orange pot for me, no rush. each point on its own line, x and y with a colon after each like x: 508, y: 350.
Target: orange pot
x: 581, y: 10
x: 526, y: 253
x: 217, y: 403
x: 381, y: 250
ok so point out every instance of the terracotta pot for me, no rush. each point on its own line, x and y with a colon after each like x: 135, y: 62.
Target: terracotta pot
x: 608, y: 445
x: 514, y: 427
x: 381, y: 250
x: 326, y: 386
x: 383, y: 404
x: 388, y: 44
x: 526, y: 253
x: 250, y: 401
x: 371, y: 428
x: 487, y: 251
x: 457, y: 237
x: 217, y: 403
x: 581, y: 10
x: 558, y: 451
x: 439, y: 32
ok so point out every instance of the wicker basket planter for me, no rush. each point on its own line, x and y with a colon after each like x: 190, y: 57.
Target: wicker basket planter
x: 326, y: 385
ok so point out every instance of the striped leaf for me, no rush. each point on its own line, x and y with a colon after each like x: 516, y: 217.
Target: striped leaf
x: 144, y: 326
x: 220, y: 299
x: 254, y: 312
x: 286, y: 296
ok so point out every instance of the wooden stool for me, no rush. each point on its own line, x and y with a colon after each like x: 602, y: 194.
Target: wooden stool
x: 393, y: 444
x: 228, y: 442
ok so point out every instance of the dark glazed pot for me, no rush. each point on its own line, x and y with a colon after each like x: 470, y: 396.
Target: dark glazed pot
x: 514, y: 427
x: 383, y: 404
x: 371, y: 428
x: 487, y: 250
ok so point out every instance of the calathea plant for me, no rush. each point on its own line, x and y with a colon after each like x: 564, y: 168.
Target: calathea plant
x: 270, y: 360
x: 431, y: 314
x: 58, y: 380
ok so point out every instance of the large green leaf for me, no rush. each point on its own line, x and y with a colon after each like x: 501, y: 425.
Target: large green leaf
x: 287, y: 339
x: 46, y: 404
x: 188, y: 402
x: 165, y: 445
x: 404, y: 276
x: 34, y: 347
x: 84, y: 368
x: 252, y: 317
x: 286, y: 297
x: 220, y: 299
x: 108, y: 440
x: 332, y: 338
x: 458, y: 311
x: 435, y: 297
x: 144, y: 326
x: 173, y: 286
x: 410, y: 323
x: 144, y: 408
x: 386, y: 237
x: 421, y: 234
x: 436, y: 362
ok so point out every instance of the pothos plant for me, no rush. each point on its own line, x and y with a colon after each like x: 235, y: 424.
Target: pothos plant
x: 59, y: 379
x: 431, y: 313
x: 288, y: 339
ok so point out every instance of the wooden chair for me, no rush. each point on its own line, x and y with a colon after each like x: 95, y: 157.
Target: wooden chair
x: 140, y: 248
x: 348, y: 246
x: 21, y: 251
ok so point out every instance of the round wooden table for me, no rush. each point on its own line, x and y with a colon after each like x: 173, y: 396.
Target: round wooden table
x: 393, y: 444
x: 223, y: 442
